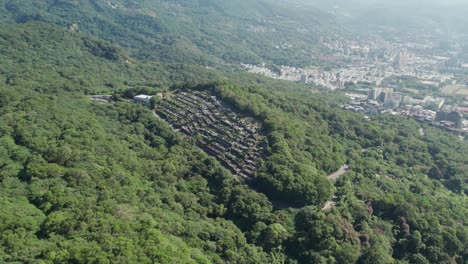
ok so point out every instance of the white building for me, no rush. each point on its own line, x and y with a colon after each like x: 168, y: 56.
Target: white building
x: 142, y: 98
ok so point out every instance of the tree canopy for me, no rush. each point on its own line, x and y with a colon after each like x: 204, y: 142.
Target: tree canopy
x: 83, y: 181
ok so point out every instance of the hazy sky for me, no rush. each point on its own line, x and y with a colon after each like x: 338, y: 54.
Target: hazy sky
x: 364, y: 3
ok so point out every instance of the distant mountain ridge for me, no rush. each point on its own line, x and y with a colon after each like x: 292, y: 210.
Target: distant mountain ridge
x: 407, y: 17
x: 200, y: 32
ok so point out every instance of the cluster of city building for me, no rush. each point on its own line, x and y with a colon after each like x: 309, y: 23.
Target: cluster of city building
x: 387, y: 104
x: 366, y: 61
x: 233, y: 139
x: 430, y: 109
x: 372, y: 72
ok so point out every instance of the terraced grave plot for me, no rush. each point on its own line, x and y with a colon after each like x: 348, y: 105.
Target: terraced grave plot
x: 235, y: 140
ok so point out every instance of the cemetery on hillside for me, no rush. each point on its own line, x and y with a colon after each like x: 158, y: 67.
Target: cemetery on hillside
x: 221, y: 132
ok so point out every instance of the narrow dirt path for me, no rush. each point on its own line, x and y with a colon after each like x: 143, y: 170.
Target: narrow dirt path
x: 328, y: 205
x: 422, y: 132
x: 337, y: 174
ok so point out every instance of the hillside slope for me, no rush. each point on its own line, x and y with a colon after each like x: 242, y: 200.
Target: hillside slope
x: 84, y: 181
x: 201, y: 32
x: 87, y: 182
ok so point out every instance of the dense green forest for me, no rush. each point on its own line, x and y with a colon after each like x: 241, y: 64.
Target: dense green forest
x: 209, y: 33
x: 91, y: 182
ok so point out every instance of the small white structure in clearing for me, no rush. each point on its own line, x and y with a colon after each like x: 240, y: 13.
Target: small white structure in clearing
x: 142, y: 98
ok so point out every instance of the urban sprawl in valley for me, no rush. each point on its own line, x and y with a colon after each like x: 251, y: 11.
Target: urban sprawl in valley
x: 381, y: 77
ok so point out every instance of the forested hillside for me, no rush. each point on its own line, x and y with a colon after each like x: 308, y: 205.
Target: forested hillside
x: 85, y: 182
x: 196, y: 32
x: 91, y: 182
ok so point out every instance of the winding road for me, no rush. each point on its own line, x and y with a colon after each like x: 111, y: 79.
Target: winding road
x: 333, y: 177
